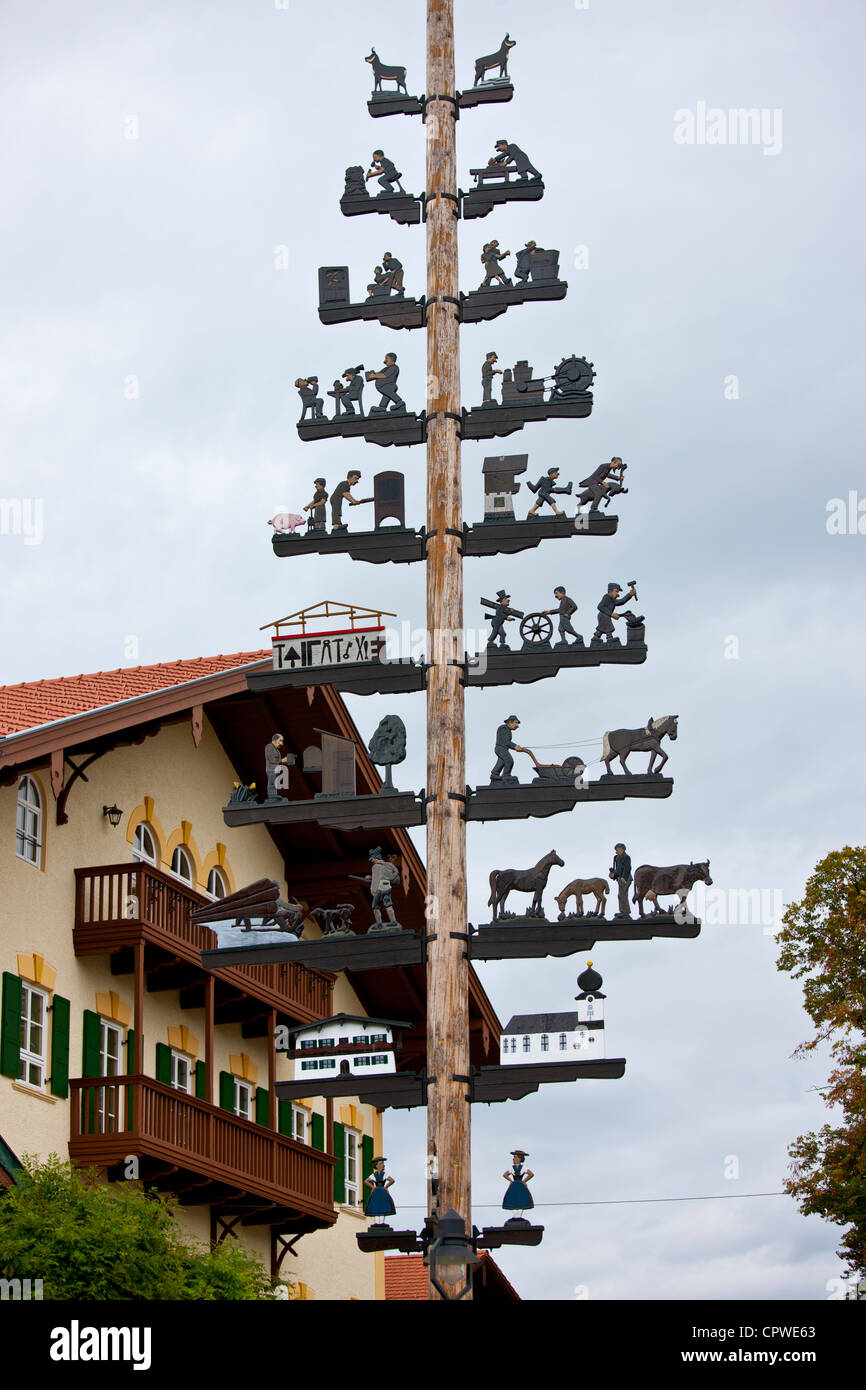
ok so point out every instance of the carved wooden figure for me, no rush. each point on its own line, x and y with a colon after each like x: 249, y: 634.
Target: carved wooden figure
x: 517, y: 1195
x: 619, y: 743
x: 379, y: 1202
x: 651, y: 882
x: 534, y: 881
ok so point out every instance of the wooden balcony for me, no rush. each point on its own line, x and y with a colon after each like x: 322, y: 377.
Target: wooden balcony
x: 119, y: 906
x: 201, y: 1153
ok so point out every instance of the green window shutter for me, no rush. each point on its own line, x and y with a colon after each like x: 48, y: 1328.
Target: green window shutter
x: 10, y: 1026
x: 130, y: 1070
x: 368, y: 1153
x: 90, y: 1062
x: 163, y: 1063
x: 60, y: 1047
x: 227, y: 1091
x: 200, y: 1081
x: 263, y: 1109
x: 317, y: 1132
x: 340, y: 1170
x: 284, y: 1117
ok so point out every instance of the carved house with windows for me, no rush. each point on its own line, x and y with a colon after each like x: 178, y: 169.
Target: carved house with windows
x: 559, y: 1037
x: 117, y: 1046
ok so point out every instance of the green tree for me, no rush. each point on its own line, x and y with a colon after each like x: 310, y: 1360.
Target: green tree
x: 89, y: 1239
x: 823, y: 943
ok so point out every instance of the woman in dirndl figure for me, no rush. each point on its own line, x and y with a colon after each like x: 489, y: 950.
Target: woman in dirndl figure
x: 379, y: 1203
x: 517, y: 1195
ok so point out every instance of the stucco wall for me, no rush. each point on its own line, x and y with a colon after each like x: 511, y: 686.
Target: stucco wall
x: 37, y: 915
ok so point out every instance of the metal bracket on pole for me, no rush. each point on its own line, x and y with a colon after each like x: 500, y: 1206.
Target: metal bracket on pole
x: 425, y: 102
x: 430, y: 197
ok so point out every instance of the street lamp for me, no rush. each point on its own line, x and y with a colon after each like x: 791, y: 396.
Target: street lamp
x: 451, y: 1257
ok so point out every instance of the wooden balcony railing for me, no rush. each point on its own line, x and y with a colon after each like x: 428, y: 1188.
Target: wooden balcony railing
x: 119, y: 904
x: 112, y: 1117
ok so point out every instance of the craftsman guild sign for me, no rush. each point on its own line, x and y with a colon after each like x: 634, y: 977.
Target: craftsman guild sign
x: 308, y: 651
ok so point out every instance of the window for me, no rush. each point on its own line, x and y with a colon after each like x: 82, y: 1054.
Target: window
x: 371, y: 1061
x: 351, y: 1168
x: 181, y: 1072
x: 243, y: 1099
x: 181, y: 864
x: 299, y: 1124
x: 590, y: 1013
x: 373, y: 1039
x: 34, y: 1036
x: 109, y: 1065
x: 144, y: 845
x: 28, y: 823
x: 325, y: 1065
x: 216, y: 884
x: 545, y: 1042
x: 526, y: 1043
x: 563, y: 1042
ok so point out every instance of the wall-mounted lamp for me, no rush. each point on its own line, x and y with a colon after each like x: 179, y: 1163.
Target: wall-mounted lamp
x: 114, y: 814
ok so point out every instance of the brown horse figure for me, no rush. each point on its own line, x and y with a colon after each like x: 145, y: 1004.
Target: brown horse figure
x: 534, y: 881
x: 580, y: 887
x: 618, y: 743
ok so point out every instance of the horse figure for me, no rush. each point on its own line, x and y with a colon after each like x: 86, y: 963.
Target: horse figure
x: 534, y: 881
x: 652, y: 882
x: 618, y: 743
x: 389, y: 74
x: 578, y: 888
x: 499, y: 60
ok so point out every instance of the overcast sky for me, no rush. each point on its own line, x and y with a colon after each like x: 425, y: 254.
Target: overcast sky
x: 154, y: 161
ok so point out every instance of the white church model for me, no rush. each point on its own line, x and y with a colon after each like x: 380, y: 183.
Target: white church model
x: 532, y: 1038
x: 345, y: 1045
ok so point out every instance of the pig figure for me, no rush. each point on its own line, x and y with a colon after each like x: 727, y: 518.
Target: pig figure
x: 286, y: 521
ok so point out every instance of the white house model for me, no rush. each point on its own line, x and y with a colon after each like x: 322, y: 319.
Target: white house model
x: 562, y: 1037
x: 346, y: 1045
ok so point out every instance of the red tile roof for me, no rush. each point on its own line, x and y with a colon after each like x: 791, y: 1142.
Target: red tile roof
x: 406, y: 1279
x: 33, y: 703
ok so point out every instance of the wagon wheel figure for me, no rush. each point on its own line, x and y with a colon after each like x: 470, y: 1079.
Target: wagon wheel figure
x: 536, y: 628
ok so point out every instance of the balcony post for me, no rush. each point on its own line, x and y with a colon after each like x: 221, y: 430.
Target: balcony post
x: 208, y: 1038
x: 138, y: 1024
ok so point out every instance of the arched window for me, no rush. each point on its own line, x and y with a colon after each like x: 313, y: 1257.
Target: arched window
x: 144, y: 844
x: 545, y: 1042
x: 181, y: 864
x: 216, y: 884
x: 28, y: 822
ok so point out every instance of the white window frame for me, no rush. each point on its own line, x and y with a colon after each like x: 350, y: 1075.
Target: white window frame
x: 28, y: 822
x: 563, y: 1042
x: 110, y: 1059
x: 181, y: 852
x: 545, y: 1042
x: 300, y: 1124
x: 217, y: 875
x: 29, y: 1057
x: 351, y: 1156
x: 243, y: 1099
x: 139, y: 854
x: 527, y: 1042
x: 179, y: 1060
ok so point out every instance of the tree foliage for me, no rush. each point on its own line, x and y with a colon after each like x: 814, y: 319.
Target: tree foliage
x: 88, y: 1239
x: 823, y: 943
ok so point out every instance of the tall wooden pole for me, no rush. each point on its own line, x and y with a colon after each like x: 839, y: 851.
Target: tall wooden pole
x: 448, y: 1114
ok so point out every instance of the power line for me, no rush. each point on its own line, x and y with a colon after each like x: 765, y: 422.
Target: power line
x: 629, y: 1201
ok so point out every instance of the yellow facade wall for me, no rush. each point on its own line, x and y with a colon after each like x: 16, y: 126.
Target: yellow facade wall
x: 183, y: 788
